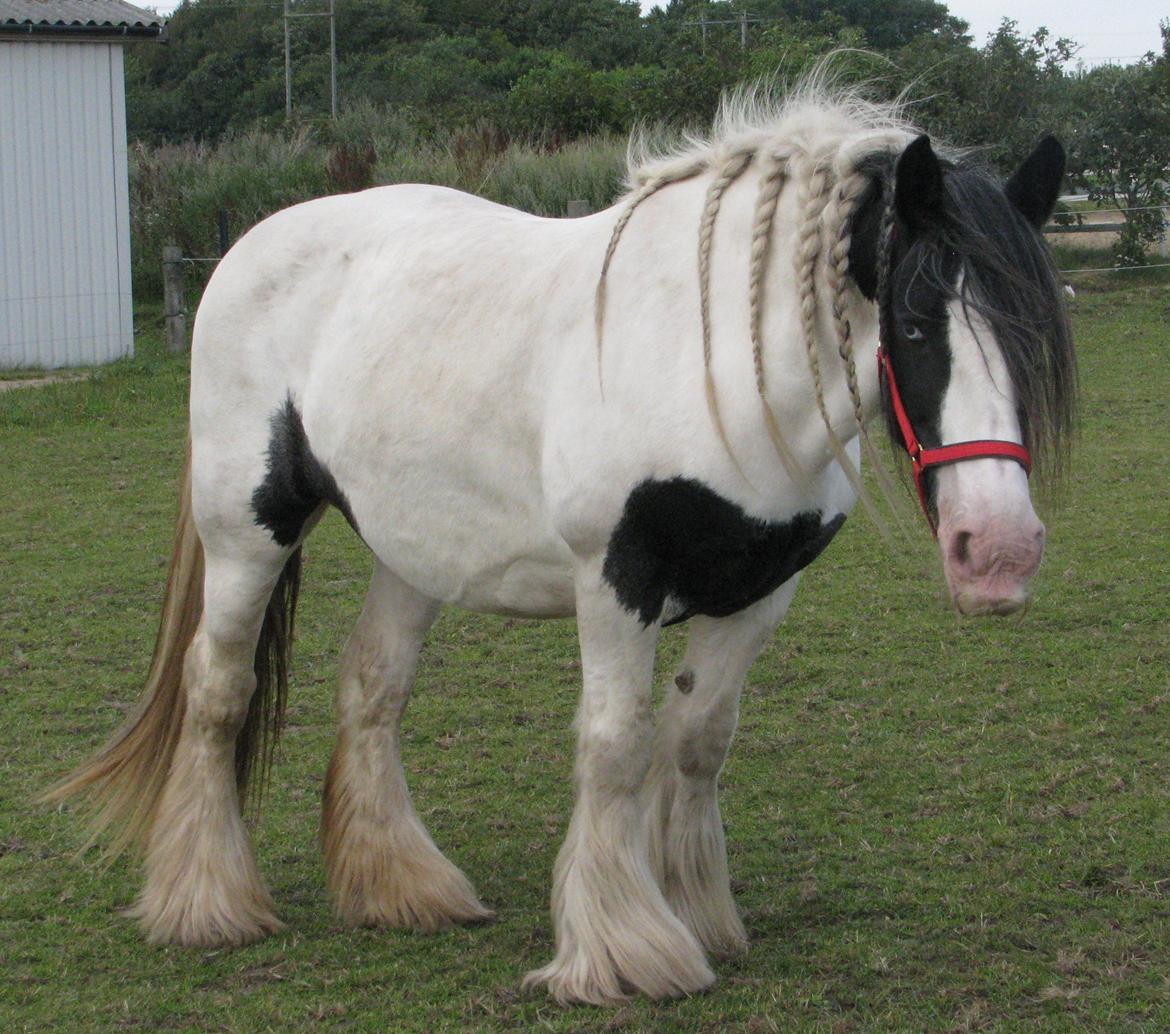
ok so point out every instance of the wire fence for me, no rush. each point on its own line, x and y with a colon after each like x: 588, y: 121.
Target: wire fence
x: 1074, y: 222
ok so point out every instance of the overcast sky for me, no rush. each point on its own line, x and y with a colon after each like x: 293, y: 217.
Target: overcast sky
x: 1121, y: 31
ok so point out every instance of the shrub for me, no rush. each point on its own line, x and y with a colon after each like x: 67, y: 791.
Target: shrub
x: 178, y: 190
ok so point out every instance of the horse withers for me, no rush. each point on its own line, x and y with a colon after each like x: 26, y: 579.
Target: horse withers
x: 509, y: 433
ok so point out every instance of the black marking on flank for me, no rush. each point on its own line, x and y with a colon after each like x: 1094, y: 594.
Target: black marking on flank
x: 681, y: 540
x: 685, y: 681
x: 296, y: 484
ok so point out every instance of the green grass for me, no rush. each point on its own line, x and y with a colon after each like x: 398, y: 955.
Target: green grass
x: 933, y: 825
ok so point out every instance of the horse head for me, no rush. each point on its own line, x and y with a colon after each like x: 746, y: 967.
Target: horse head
x: 977, y: 356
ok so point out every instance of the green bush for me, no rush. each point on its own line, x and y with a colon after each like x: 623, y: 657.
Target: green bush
x: 178, y: 190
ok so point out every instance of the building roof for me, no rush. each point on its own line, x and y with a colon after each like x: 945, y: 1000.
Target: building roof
x: 105, y: 20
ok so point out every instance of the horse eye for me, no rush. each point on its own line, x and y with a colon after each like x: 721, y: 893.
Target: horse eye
x: 912, y: 332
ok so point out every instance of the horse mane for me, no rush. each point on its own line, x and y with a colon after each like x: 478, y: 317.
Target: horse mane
x: 833, y: 142
x: 820, y: 136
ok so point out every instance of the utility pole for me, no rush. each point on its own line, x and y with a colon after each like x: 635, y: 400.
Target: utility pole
x: 331, y: 14
x: 333, y: 62
x: 287, y: 66
x: 743, y: 20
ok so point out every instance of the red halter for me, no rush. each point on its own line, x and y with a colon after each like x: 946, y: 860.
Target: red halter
x: 923, y: 459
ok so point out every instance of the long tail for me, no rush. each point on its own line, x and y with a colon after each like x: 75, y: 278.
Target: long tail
x: 125, y: 780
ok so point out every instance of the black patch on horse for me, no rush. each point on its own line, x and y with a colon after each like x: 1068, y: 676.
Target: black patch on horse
x: 923, y: 285
x: 681, y: 541
x: 296, y: 484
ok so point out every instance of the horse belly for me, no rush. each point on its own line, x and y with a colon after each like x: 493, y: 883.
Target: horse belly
x: 435, y: 444
x: 464, y: 553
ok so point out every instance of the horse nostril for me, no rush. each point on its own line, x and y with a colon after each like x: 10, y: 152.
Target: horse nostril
x: 961, y: 547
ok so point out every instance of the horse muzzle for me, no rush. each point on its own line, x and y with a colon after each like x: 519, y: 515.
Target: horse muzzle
x: 988, y: 568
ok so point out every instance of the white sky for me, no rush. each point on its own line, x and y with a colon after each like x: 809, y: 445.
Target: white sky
x: 1121, y: 31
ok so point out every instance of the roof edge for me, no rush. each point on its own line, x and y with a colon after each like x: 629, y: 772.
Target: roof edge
x: 93, y: 32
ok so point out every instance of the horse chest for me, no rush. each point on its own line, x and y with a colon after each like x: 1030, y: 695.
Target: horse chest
x: 680, y: 543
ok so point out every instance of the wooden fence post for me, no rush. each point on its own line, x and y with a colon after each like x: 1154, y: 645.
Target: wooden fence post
x: 176, y: 317
x: 224, y: 244
x: 576, y: 209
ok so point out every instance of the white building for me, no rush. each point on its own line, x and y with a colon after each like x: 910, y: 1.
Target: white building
x: 64, y: 203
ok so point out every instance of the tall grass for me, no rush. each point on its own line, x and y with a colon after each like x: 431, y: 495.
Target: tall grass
x: 177, y: 190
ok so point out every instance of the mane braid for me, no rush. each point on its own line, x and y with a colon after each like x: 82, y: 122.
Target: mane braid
x: 815, y: 190
x: 839, y: 223
x: 839, y: 216
x: 771, y: 183
x: 730, y: 172
x: 648, y: 188
x: 885, y: 257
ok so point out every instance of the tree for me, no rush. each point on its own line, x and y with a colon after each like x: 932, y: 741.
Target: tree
x: 1000, y: 99
x: 1121, y: 146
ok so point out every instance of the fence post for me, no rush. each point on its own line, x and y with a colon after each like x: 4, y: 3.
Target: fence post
x: 576, y: 209
x: 222, y: 221
x: 176, y: 318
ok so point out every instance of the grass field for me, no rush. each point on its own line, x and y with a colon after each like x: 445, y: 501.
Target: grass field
x: 933, y: 825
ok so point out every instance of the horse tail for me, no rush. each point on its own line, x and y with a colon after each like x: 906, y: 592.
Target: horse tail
x: 125, y: 779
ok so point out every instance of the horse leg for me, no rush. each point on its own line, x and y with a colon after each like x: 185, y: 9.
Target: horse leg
x: 202, y: 883
x: 615, y: 932
x: 383, y: 868
x: 698, y: 718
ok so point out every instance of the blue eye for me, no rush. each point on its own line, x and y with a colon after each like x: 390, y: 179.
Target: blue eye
x: 912, y: 332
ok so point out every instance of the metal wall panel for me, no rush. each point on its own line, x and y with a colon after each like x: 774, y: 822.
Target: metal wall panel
x: 64, y: 217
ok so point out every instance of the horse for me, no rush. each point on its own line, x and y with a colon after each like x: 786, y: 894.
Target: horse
x: 649, y: 415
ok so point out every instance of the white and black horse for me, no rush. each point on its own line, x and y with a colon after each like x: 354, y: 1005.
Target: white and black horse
x: 509, y: 435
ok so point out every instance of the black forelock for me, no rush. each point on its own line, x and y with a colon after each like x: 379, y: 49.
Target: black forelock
x: 1009, y: 279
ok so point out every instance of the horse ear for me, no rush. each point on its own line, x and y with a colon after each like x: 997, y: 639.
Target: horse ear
x: 1036, y: 185
x: 919, y: 196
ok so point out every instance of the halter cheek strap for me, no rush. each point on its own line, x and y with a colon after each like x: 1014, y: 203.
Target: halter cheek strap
x: 923, y: 459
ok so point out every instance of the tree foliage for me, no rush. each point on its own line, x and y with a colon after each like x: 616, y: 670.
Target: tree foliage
x: 513, y: 62
x: 554, y: 70
x: 1121, y: 152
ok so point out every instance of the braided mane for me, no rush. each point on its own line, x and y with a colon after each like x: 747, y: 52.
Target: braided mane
x: 821, y: 140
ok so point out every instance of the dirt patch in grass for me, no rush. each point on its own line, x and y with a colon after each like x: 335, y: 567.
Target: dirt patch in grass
x: 40, y: 380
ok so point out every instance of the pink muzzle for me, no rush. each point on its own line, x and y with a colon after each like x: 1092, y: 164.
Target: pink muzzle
x: 988, y: 567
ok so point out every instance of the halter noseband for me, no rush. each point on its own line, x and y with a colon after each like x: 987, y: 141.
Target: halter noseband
x: 923, y: 459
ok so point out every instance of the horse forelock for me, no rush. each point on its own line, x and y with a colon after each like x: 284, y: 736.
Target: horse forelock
x: 1009, y: 279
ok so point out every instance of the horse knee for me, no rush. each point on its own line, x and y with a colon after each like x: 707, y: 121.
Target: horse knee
x: 373, y: 691
x: 218, y: 688
x: 704, y: 743
x: 614, y: 760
